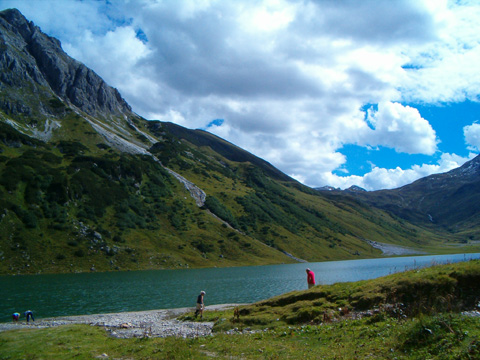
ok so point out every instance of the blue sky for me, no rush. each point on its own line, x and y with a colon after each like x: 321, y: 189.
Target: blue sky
x: 373, y: 93
x: 448, y: 120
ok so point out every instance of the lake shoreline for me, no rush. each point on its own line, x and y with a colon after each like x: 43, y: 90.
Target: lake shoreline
x: 149, y: 323
x: 103, y: 293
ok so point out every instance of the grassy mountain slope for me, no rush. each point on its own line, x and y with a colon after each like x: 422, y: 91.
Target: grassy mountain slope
x: 227, y: 150
x: 65, y: 205
x: 73, y: 206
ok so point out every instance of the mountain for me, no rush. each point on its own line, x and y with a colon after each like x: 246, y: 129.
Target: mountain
x: 86, y: 184
x: 34, y: 60
x: 355, y: 188
x: 450, y: 201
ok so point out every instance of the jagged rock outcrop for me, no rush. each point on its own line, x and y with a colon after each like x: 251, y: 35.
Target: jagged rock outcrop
x: 28, y: 57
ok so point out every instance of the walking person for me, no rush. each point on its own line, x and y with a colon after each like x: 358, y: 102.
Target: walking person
x: 310, y: 278
x: 200, y: 305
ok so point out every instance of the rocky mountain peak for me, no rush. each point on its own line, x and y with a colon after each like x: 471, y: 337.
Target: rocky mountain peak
x: 14, y: 21
x: 355, y: 188
x: 471, y: 168
x: 30, y: 57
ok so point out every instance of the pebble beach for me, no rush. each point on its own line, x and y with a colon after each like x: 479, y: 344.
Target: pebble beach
x: 152, y: 323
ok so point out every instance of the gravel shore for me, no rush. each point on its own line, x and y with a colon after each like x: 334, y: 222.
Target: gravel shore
x: 390, y: 250
x: 153, y: 323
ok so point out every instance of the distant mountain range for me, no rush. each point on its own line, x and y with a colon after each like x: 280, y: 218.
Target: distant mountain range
x: 86, y: 184
x: 450, y: 200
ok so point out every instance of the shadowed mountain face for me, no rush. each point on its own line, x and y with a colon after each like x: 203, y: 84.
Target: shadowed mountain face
x: 224, y: 148
x: 86, y: 184
x: 450, y: 200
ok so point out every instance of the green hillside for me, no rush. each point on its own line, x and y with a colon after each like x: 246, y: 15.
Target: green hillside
x: 81, y: 202
x: 73, y: 205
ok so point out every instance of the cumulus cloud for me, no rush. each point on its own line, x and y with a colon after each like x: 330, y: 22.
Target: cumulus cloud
x: 126, y: 50
x: 399, y: 127
x: 381, y: 178
x: 67, y: 19
x: 293, y: 81
x: 472, y: 136
x: 446, y: 70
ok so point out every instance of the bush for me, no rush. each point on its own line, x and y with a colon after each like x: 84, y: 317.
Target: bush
x: 203, y: 247
x: 216, y: 207
x: 56, y: 103
x: 118, y: 239
x: 71, y: 148
x: 79, y: 253
x: 30, y: 220
x: 177, y: 222
x: 126, y: 220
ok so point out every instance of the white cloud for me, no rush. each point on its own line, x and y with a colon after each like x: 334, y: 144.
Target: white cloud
x: 289, y: 78
x: 123, y: 48
x: 269, y: 16
x: 399, y: 127
x: 66, y: 19
x: 381, y: 178
x: 447, y: 70
x: 472, y: 136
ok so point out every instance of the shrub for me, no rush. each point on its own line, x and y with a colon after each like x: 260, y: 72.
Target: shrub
x: 117, y: 238
x: 71, y: 148
x: 216, y: 207
x: 56, y: 103
x: 79, y: 253
x: 30, y: 220
x: 203, y: 246
x: 177, y: 222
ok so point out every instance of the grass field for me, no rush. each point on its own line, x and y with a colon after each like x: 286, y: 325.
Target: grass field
x: 442, y: 336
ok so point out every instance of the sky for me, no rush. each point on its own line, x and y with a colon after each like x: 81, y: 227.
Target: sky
x: 372, y: 93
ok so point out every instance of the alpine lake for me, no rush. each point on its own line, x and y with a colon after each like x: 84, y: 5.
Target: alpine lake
x: 94, y: 293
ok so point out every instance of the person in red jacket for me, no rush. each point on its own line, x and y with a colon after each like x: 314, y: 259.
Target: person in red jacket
x: 310, y: 278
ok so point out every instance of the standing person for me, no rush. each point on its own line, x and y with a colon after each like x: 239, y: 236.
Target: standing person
x: 28, y: 315
x: 310, y: 278
x: 200, y: 305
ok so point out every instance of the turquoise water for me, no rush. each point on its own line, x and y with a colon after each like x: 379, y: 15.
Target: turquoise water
x: 92, y: 293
